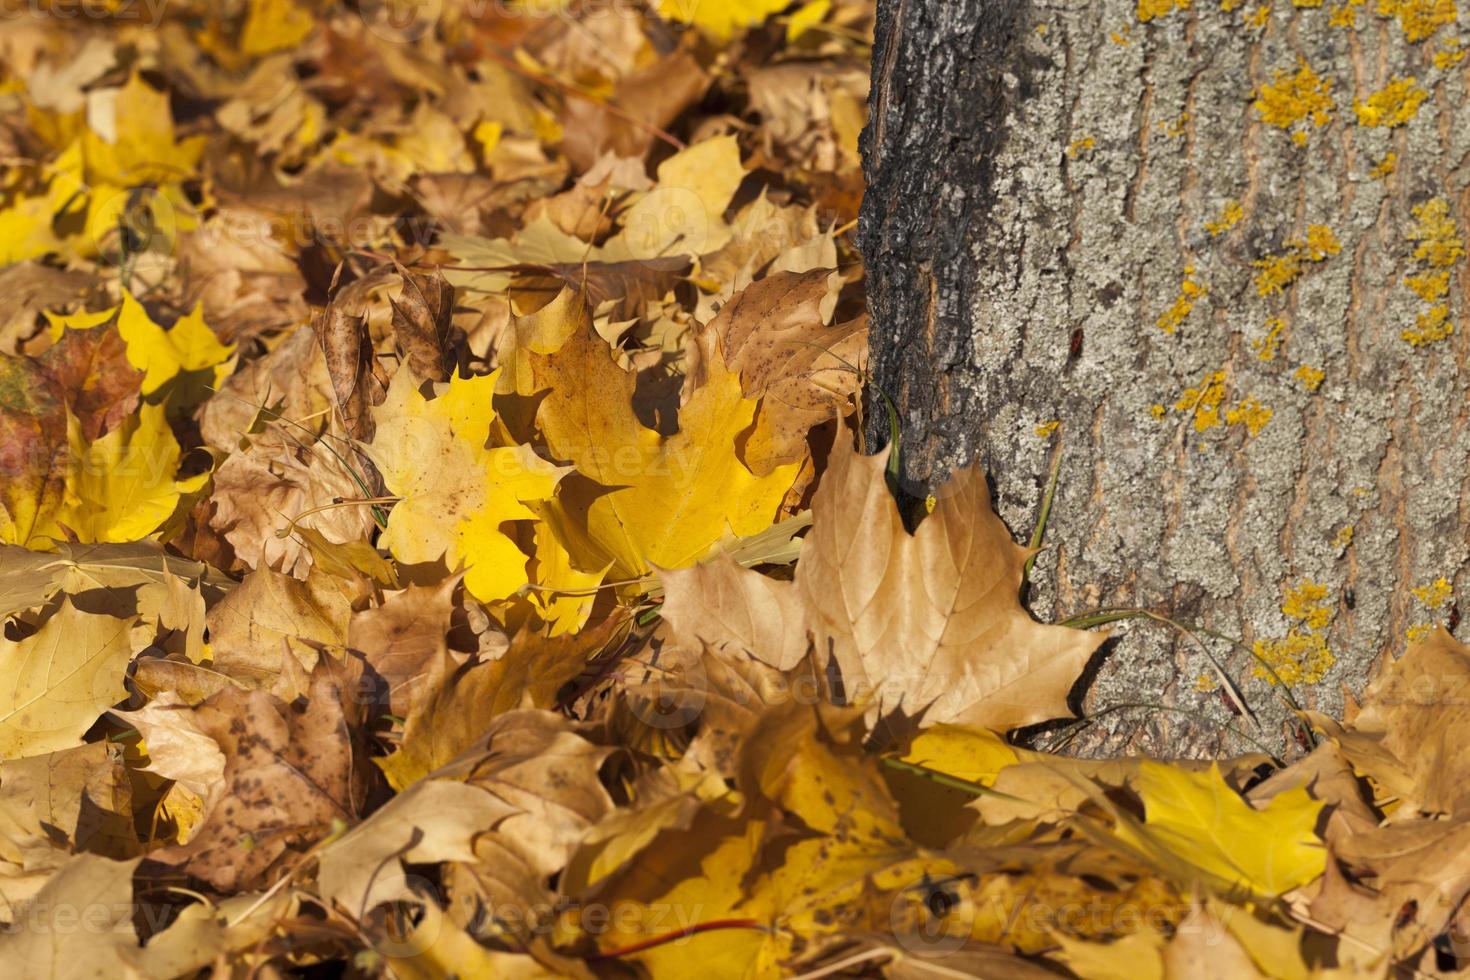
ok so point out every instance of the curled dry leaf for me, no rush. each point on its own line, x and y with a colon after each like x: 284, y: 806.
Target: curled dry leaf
x: 775, y: 336
x: 265, y: 488
x: 351, y: 366
x: 421, y: 324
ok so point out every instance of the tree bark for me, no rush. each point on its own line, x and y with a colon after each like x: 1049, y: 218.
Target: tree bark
x: 1075, y: 215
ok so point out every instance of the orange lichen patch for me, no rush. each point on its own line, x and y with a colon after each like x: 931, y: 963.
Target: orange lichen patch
x: 1296, y: 658
x: 1150, y: 9
x: 1230, y: 216
x: 1343, y: 16
x: 1205, y: 684
x: 1258, y: 17
x: 1321, y: 242
x: 1251, y: 414
x: 1430, y: 286
x: 1203, y: 402
x: 1119, y: 37
x: 1279, y: 271
x: 1171, y: 319
x: 1157, y: 411
x: 1081, y: 145
x: 1308, y: 603
x: 1449, y: 55
x: 1435, y: 594
x: 1045, y: 429
x: 1301, y: 656
x: 1437, y: 234
x: 1430, y: 326
x: 1229, y: 5
x: 1416, y: 633
x: 1310, y: 377
x: 1438, y: 248
x: 1394, y: 105
x: 1292, y: 100
x: 1267, y: 347
x: 1386, y: 166
x: 1419, y: 19
x: 1344, y: 537
x: 1307, y: 4
x: 1175, y: 128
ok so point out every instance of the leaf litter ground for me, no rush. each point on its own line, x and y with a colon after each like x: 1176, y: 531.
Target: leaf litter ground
x: 434, y: 544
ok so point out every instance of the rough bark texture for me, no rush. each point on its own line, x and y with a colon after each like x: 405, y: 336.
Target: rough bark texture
x: 1047, y: 181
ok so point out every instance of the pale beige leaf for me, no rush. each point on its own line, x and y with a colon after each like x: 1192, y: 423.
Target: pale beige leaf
x: 57, y: 682
x: 725, y: 605
x: 79, y: 924
x: 930, y: 622
x: 433, y: 820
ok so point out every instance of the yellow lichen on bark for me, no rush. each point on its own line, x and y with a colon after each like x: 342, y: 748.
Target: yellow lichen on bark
x: 1151, y: 9
x: 1301, y: 656
x: 1267, y: 347
x: 1279, y: 271
x: 1419, y: 19
x: 1435, y: 594
x: 1394, y: 105
x: 1438, y: 248
x: 1449, y: 55
x: 1310, y: 377
x: 1251, y: 414
x: 1170, y: 320
x: 1294, y: 99
x: 1230, y: 216
x: 1203, y: 402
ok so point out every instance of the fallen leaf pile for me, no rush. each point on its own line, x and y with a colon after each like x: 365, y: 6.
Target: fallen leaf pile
x: 434, y: 542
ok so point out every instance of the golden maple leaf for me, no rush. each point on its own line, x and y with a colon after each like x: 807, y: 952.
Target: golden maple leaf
x: 456, y: 493
x: 668, y: 499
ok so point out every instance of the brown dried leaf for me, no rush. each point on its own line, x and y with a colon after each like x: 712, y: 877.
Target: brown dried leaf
x: 930, y: 622
x: 774, y: 334
x: 451, y: 718
x: 727, y: 606
x: 421, y: 324
x: 291, y: 770
x: 91, y: 368
x: 263, y: 488
x: 350, y: 366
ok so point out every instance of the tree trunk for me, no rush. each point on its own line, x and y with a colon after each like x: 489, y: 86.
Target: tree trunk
x: 1182, y: 240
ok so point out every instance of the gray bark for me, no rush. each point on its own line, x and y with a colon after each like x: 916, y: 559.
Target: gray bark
x: 1041, y: 175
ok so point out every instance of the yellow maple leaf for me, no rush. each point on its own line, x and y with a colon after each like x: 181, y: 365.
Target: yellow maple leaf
x: 721, y: 20
x: 1196, y: 817
x: 274, y: 25
x: 456, y: 493
x: 667, y: 499
x: 121, y: 487
x: 188, y: 346
x: 59, y: 680
x: 26, y: 229
x: 130, y: 138
x: 844, y: 871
